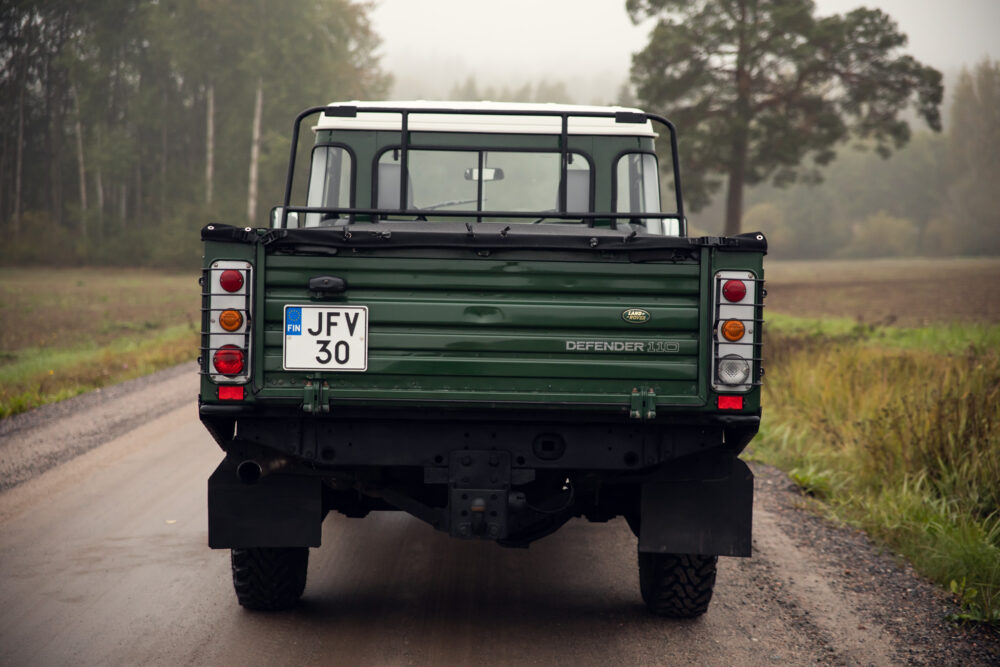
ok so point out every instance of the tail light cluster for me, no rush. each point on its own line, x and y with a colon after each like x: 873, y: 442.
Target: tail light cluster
x: 735, y: 354
x: 226, y: 333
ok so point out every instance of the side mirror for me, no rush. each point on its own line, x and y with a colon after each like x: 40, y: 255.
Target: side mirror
x: 489, y: 174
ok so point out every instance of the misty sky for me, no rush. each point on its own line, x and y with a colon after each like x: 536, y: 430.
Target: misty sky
x: 429, y: 45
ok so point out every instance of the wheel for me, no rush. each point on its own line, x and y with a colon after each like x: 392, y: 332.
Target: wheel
x: 677, y: 585
x: 269, y: 578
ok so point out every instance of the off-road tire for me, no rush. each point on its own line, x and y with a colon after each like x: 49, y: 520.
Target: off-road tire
x: 677, y: 585
x: 269, y: 578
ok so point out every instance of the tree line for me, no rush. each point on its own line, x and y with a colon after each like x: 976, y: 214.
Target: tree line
x: 766, y: 90
x: 933, y: 197
x: 770, y: 100
x: 542, y: 91
x: 126, y: 125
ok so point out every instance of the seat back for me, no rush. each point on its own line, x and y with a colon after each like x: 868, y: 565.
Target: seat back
x: 388, y: 187
x: 578, y: 191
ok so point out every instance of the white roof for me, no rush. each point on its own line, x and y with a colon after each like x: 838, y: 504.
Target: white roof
x: 484, y: 122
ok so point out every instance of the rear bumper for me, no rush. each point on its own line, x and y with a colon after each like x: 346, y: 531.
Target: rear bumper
x: 533, y: 440
x: 451, y: 469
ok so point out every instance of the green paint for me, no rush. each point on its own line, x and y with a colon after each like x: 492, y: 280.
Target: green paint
x: 544, y: 329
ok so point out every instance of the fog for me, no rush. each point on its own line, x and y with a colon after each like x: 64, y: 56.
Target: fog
x: 431, y: 45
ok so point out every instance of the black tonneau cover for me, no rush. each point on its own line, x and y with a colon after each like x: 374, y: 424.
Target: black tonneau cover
x: 490, y: 236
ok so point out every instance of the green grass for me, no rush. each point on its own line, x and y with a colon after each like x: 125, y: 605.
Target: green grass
x: 42, y: 375
x: 897, y: 431
x: 941, y: 338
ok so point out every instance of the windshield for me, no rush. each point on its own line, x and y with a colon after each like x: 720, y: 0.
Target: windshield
x: 478, y: 180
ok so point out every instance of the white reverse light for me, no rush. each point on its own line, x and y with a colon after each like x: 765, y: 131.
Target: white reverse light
x: 733, y: 369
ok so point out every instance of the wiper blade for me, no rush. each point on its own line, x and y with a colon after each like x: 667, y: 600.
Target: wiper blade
x: 454, y: 202
x: 560, y: 220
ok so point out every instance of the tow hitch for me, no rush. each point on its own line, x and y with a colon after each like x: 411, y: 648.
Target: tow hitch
x: 479, y: 484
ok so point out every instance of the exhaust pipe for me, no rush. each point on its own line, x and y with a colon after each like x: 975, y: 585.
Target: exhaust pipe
x: 251, y: 470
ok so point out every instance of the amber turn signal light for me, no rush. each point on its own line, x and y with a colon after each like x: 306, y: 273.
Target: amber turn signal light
x: 733, y: 330
x: 231, y: 320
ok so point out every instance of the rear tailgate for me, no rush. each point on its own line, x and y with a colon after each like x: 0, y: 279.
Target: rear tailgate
x: 502, y: 333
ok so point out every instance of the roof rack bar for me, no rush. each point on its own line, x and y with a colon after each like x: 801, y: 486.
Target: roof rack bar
x: 291, y: 159
x: 677, y: 171
x: 563, y: 160
x: 582, y: 215
x: 479, y: 185
x: 404, y: 169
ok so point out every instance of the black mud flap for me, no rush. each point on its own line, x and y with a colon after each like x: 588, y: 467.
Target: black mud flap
x: 278, y: 511
x: 690, y: 512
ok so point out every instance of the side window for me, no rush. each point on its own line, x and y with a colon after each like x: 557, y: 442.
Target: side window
x: 638, y: 191
x: 329, y: 184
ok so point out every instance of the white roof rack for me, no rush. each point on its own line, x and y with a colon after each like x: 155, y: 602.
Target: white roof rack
x: 420, y: 121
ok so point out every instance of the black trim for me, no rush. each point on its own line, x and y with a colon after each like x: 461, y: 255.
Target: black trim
x: 493, y: 236
x: 404, y: 164
x: 751, y: 241
x: 481, y: 157
x: 228, y: 233
x: 667, y: 417
x: 564, y: 162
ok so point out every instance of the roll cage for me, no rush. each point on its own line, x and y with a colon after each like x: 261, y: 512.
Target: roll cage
x: 351, y: 111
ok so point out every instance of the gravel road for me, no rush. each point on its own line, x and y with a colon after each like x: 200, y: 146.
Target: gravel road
x: 104, y: 561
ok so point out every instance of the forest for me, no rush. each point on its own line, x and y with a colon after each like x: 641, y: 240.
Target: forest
x: 931, y: 198
x: 127, y: 125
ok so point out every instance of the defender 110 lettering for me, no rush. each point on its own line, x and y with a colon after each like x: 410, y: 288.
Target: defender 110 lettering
x: 622, y: 346
x: 481, y: 314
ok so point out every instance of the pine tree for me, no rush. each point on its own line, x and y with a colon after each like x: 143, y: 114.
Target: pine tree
x: 757, y: 86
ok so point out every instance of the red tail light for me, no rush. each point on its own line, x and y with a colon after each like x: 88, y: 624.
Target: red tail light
x: 733, y: 290
x: 231, y: 280
x: 228, y: 392
x: 730, y: 402
x: 228, y: 360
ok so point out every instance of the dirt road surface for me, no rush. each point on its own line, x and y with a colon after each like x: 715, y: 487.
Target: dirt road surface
x: 103, y: 560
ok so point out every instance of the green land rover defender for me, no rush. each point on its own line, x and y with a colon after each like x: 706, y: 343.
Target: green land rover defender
x: 480, y: 314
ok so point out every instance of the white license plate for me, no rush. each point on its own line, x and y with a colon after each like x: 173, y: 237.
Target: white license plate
x: 325, y: 338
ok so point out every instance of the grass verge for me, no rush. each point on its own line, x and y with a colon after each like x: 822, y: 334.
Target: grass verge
x: 898, y: 431
x: 47, y: 375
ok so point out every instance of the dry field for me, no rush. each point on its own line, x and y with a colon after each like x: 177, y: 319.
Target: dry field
x: 904, y: 292
x: 67, y: 331
x: 48, y: 308
x: 67, y: 308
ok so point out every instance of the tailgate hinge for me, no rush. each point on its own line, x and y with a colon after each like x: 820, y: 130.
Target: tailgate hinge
x: 316, y: 395
x: 642, y: 403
